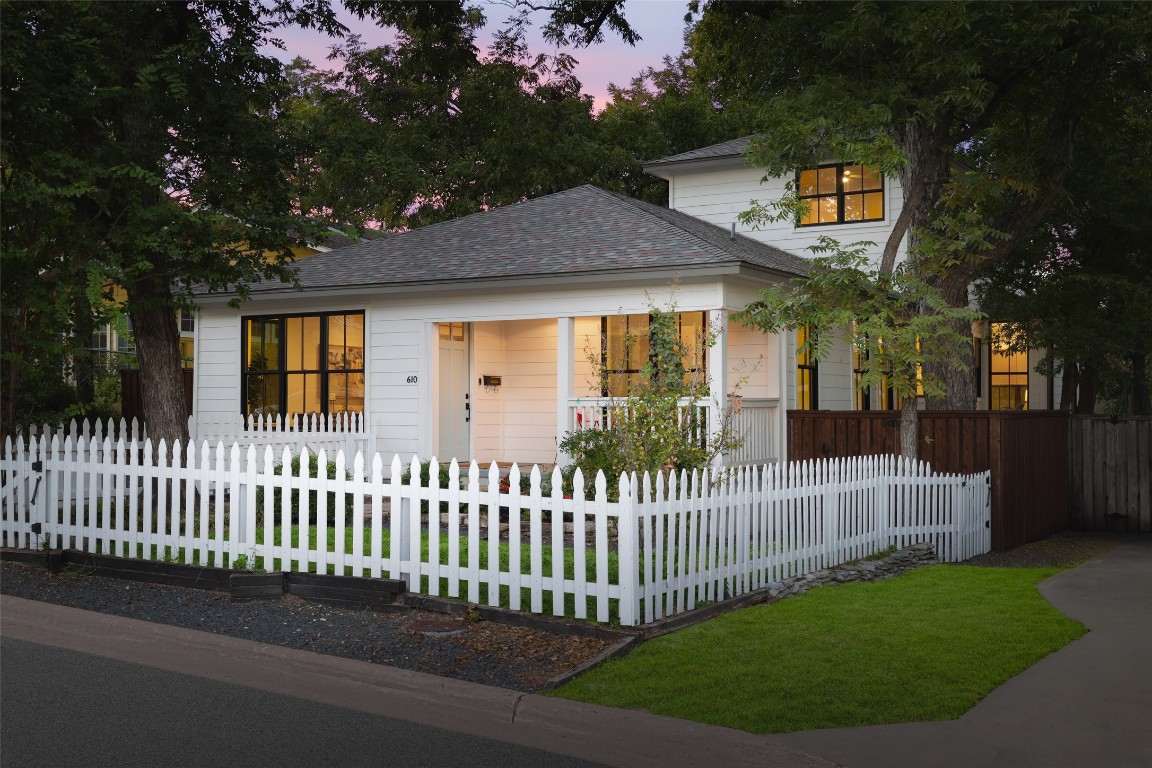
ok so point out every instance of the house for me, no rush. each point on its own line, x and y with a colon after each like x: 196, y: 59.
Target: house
x: 471, y: 338
x: 849, y: 203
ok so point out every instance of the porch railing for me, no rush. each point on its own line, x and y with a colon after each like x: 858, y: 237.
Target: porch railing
x: 753, y: 419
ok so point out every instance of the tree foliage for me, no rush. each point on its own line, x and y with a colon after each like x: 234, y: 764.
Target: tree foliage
x: 404, y: 140
x: 662, y: 112
x: 973, y: 106
x: 897, y: 322
x: 1081, y: 288
x: 141, y: 149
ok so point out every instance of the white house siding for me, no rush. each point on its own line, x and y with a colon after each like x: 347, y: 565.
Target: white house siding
x: 719, y: 194
x: 530, y: 391
x: 395, y: 348
x: 217, y: 390
x: 585, y: 344
x: 488, y: 402
x: 834, y: 377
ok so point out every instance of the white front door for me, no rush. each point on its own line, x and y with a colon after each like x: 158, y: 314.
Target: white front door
x: 455, y: 396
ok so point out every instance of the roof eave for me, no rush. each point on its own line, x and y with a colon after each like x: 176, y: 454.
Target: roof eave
x: 509, y: 282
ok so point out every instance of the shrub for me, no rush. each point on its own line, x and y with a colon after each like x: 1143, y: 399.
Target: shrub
x: 313, y: 470
x: 650, y: 429
x: 425, y: 471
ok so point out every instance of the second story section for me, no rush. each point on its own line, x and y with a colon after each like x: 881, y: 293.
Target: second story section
x: 846, y: 201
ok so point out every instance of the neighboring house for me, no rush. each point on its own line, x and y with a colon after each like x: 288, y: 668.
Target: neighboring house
x: 116, y: 336
x: 471, y: 338
x: 849, y: 203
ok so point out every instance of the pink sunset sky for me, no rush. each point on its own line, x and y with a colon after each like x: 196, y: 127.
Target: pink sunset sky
x: 659, y: 22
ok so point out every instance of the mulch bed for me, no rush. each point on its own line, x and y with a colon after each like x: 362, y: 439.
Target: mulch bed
x: 1062, y: 550
x: 485, y: 652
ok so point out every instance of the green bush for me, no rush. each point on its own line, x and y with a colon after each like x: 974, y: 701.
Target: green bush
x: 313, y: 469
x: 425, y: 471
x: 593, y: 450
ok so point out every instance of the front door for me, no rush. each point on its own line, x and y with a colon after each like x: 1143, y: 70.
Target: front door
x: 455, y: 404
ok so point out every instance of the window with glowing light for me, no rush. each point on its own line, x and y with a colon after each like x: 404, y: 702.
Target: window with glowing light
x: 840, y: 193
x: 303, y: 364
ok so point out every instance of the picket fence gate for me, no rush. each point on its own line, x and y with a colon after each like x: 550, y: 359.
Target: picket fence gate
x: 664, y: 546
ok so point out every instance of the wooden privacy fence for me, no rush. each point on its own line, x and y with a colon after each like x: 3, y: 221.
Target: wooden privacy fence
x: 1026, y: 454
x: 661, y: 548
x: 1111, y: 460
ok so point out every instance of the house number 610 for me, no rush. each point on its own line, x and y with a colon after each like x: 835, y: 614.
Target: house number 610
x: 411, y: 379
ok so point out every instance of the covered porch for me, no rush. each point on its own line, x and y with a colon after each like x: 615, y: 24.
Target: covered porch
x: 529, y: 382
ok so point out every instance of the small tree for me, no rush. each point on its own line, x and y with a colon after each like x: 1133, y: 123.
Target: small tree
x: 653, y: 424
x: 882, y: 315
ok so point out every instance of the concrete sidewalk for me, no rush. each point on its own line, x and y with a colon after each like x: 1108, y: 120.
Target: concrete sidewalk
x: 1087, y: 705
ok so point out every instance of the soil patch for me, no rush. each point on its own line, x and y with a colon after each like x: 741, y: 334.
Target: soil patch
x: 1062, y: 550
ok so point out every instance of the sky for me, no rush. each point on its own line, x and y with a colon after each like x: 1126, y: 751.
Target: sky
x: 659, y: 22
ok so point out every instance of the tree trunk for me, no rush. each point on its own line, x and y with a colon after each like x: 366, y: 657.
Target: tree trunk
x: 83, y: 358
x: 158, y: 349
x: 909, y: 441
x: 1069, y: 382
x: 959, y: 378
x: 1086, y: 397
x: 1141, y: 400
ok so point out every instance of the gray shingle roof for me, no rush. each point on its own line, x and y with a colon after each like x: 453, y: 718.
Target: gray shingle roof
x: 580, y: 230
x: 733, y: 148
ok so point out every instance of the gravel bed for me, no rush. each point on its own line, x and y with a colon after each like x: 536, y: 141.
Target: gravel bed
x: 485, y: 652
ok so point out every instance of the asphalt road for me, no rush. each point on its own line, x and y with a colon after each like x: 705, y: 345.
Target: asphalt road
x: 62, y: 707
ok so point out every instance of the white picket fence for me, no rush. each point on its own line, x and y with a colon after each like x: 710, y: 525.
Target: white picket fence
x: 348, y: 432
x: 664, y: 547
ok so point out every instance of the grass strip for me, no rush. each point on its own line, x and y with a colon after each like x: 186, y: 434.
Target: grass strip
x: 926, y: 645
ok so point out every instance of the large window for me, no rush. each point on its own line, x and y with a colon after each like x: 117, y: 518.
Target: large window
x: 841, y: 193
x: 304, y: 364
x: 625, y: 351
x: 806, y: 379
x: 1009, y: 375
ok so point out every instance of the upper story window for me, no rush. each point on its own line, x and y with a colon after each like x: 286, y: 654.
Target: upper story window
x: 841, y: 193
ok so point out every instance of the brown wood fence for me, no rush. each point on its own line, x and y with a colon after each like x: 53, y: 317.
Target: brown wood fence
x: 1111, y: 462
x: 132, y: 397
x: 1026, y: 452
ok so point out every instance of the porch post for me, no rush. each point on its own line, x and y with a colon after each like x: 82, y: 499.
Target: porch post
x: 717, y: 380
x: 565, y: 343
x: 784, y: 343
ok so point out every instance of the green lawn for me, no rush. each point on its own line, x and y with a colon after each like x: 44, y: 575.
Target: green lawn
x: 926, y: 645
